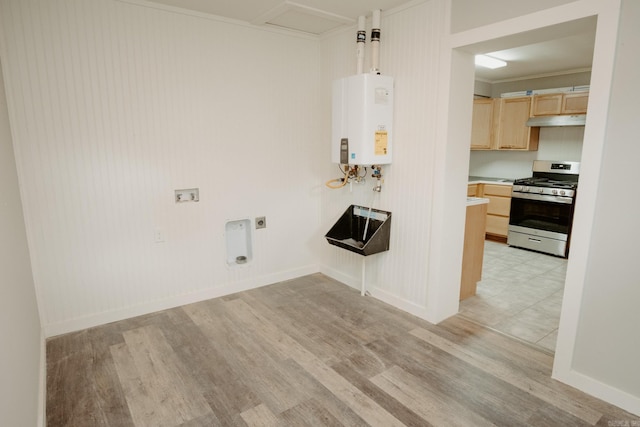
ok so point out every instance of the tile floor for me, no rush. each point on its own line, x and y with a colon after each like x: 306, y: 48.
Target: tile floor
x: 520, y: 294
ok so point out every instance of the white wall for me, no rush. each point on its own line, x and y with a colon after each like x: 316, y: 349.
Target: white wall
x: 468, y: 14
x: 22, y: 356
x: 607, y: 344
x: 556, y: 143
x: 113, y: 106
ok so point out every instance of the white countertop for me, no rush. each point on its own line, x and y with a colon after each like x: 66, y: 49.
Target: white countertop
x: 472, y: 201
x: 488, y: 180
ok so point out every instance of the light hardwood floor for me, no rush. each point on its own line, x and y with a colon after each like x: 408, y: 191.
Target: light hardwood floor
x: 305, y: 352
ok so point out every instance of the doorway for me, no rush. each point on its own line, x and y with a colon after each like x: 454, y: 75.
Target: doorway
x: 521, y: 291
x: 459, y: 68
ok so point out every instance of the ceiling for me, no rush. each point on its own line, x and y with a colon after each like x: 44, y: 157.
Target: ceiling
x: 553, y: 50
x: 559, y: 49
x: 311, y: 16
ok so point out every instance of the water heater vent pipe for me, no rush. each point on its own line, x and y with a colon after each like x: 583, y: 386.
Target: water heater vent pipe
x: 375, y: 42
x: 360, y: 41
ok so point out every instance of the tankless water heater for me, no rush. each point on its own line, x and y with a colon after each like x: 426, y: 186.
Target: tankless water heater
x: 362, y: 120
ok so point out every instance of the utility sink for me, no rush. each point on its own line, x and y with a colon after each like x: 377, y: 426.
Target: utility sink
x: 362, y: 230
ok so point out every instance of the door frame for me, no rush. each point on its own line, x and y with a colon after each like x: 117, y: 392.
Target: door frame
x: 457, y: 74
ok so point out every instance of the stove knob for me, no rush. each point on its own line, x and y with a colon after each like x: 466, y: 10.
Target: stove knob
x: 562, y: 193
x: 554, y: 192
x: 525, y: 189
x: 540, y: 190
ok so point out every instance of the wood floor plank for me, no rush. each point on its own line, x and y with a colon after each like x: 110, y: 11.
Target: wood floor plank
x: 361, y: 404
x: 489, y: 397
x: 519, y: 354
x: 259, y: 416
x: 252, y: 366
x: 310, y: 413
x: 392, y: 405
x: 82, y: 385
x: 223, y: 389
x: 434, y: 407
x: 158, y: 390
x: 309, y: 351
x: 541, y: 391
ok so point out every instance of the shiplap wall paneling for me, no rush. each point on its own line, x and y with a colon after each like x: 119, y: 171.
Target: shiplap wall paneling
x: 114, y: 106
x: 409, y: 42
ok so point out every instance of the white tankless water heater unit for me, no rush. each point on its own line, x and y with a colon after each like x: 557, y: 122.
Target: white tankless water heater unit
x: 362, y: 120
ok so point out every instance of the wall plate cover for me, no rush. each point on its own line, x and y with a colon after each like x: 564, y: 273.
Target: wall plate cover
x: 187, y: 195
x: 261, y: 222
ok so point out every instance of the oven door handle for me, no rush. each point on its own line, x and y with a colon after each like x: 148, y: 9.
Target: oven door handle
x: 542, y: 197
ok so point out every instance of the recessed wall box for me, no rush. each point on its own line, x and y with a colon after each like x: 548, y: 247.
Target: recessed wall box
x: 238, y: 238
x: 187, y: 195
x: 362, y: 120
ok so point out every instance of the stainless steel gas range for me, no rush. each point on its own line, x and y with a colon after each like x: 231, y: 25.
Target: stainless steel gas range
x: 542, y: 207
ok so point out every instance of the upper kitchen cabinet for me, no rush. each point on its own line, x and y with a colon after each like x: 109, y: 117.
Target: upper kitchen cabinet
x: 482, y: 124
x: 500, y: 124
x: 512, y: 132
x: 560, y: 103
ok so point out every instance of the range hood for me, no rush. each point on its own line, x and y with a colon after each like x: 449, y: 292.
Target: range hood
x: 551, y: 121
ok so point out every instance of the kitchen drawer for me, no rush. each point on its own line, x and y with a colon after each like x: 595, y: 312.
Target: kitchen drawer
x: 472, y: 190
x: 497, y: 225
x: 497, y: 190
x: 498, y: 205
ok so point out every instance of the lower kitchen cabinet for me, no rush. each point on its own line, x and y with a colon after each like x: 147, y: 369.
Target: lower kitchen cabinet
x: 499, y: 196
x: 473, y: 253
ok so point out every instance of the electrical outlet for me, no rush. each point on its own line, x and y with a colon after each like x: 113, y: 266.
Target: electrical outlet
x: 261, y: 222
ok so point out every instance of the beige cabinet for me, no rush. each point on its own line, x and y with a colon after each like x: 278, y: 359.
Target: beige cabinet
x: 547, y: 104
x: 499, y: 196
x: 482, y: 124
x: 512, y: 131
x: 473, y: 253
x: 575, y: 103
x: 501, y: 124
x: 560, y: 103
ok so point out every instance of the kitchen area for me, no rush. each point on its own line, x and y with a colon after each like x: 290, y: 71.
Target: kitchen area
x: 526, y: 147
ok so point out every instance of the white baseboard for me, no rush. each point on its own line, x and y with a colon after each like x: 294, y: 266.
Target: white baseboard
x: 42, y: 382
x: 600, y: 390
x: 400, y: 303
x: 377, y: 293
x: 97, y: 319
x: 350, y: 281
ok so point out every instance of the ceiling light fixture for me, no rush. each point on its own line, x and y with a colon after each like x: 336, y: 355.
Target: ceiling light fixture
x: 489, y: 62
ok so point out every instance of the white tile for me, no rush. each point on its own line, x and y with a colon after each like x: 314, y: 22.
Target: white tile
x: 520, y: 293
